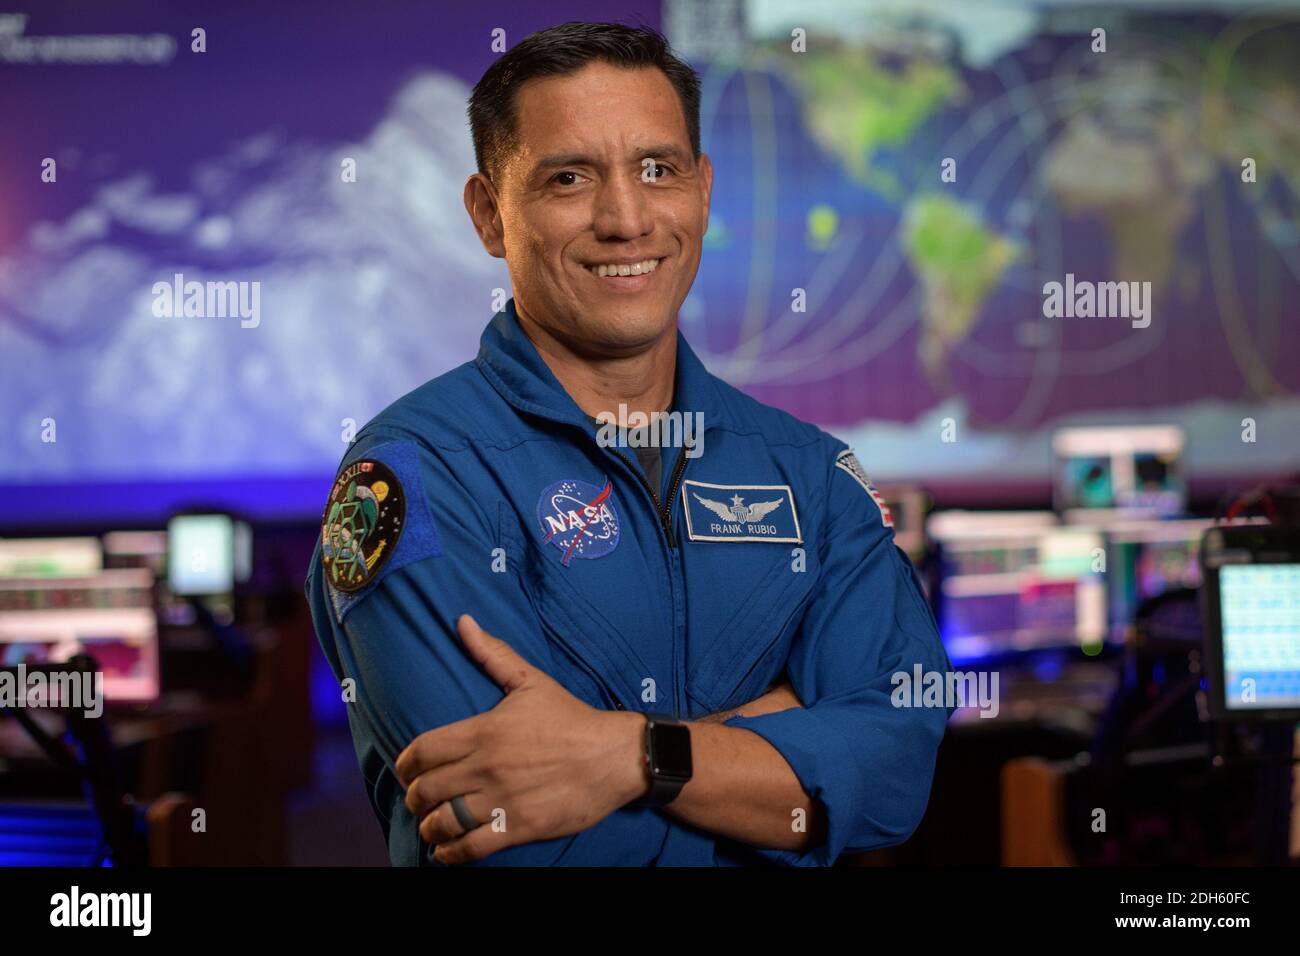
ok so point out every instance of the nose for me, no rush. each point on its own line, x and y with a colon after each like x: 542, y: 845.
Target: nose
x: 622, y: 209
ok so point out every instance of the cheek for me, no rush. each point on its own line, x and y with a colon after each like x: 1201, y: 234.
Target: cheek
x: 687, y: 220
x: 545, y: 254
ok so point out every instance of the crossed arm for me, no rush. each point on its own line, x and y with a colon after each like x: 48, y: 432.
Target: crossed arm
x: 551, y: 766
x: 742, y: 787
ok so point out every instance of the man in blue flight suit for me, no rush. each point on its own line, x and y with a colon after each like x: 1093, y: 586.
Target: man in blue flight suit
x: 559, y: 652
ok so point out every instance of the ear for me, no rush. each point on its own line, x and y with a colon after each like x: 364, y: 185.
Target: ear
x: 484, y: 208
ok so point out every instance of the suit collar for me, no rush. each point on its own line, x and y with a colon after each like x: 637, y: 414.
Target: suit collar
x: 510, y: 361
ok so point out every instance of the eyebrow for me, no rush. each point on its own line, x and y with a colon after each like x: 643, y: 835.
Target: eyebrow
x: 667, y: 151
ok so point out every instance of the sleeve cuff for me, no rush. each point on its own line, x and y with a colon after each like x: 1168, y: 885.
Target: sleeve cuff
x: 826, y: 767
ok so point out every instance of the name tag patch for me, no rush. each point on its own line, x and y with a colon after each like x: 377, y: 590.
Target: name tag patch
x: 740, y: 512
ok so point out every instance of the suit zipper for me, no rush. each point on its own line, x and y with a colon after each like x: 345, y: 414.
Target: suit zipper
x: 664, y: 513
x: 665, y: 521
x: 664, y: 509
x: 673, y: 482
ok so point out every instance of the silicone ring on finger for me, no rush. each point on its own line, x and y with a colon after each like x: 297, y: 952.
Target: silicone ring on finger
x: 463, y: 816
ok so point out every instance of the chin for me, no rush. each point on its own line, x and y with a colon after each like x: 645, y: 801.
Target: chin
x: 631, y: 328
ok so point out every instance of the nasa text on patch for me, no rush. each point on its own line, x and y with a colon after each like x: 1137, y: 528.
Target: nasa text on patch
x: 579, y: 518
x: 740, y: 512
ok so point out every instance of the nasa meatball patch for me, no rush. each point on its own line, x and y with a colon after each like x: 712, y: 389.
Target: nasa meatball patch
x: 579, y: 518
x: 848, y: 463
x: 363, y: 521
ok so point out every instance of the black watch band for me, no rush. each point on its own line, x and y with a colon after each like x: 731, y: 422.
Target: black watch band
x: 667, y: 754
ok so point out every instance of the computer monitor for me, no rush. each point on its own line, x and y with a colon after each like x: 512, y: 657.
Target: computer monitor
x: 1148, y: 558
x: 1251, y: 604
x: 201, y: 554
x: 136, y: 549
x: 1128, y: 468
x: 49, y: 557
x: 108, y: 615
x: 1011, y: 582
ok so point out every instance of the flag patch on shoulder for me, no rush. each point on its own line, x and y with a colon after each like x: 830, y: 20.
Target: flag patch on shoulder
x: 848, y: 462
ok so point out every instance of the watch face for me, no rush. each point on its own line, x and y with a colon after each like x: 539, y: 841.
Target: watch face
x: 671, y: 751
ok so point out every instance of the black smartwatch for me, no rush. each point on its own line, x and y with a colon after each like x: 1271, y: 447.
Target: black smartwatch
x: 667, y: 759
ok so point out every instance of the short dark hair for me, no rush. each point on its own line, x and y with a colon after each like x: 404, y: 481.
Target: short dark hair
x: 566, y: 49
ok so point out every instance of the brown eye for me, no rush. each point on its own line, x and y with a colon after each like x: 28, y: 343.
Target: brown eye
x: 572, y: 178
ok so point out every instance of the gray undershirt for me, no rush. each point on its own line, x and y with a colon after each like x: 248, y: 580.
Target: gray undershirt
x: 651, y: 458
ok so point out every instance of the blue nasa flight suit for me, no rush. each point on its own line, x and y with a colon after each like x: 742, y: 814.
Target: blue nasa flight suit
x: 515, y: 513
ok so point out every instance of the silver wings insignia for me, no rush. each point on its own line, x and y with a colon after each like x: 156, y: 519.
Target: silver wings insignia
x: 763, y: 508
x: 739, y: 511
x: 717, y: 507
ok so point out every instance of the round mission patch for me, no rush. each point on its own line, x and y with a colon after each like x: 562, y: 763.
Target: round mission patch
x: 362, y: 523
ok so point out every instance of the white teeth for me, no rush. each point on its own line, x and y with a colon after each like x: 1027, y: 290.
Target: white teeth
x: 635, y: 269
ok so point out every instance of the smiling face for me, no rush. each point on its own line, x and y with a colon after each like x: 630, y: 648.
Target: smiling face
x: 601, y: 209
